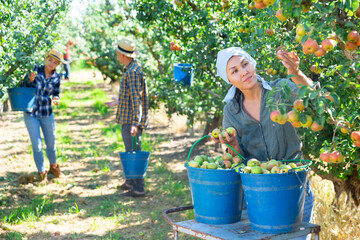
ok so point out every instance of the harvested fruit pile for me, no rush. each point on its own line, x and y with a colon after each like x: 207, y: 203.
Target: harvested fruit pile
x: 273, y: 166
x: 226, y: 161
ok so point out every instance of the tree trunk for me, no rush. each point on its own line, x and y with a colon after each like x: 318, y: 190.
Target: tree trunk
x: 6, y: 107
x: 215, y: 123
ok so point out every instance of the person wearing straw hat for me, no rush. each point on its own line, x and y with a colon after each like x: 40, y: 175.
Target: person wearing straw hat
x: 132, y: 108
x: 245, y: 110
x: 47, y: 83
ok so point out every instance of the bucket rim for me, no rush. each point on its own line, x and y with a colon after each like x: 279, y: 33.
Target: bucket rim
x: 27, y: 89
x: 272, y: 174
x: 209, y: 170
x: 133, y: 152
x: 183, y: 65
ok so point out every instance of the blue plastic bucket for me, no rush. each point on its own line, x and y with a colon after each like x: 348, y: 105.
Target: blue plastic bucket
x: 22, y: 98
x: 135, y: 164
x: 275, y: 202
x: 217, y: 195
x: 183, y: 73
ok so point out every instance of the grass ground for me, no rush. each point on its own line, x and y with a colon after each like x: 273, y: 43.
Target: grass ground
x: 85, y: 204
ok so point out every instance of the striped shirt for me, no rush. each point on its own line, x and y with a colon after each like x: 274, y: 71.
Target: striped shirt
x: 133, y: 101
x: 44, y: 89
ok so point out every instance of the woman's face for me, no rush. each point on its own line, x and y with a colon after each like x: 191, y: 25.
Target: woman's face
x: 241, y: 72
x: 51, y: 63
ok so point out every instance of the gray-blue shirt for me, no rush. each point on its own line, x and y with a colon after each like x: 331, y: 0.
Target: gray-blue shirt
x: 266, y: 139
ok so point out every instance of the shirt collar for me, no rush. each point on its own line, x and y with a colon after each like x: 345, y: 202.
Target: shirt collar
x: 265, y: 84
x: 42, y: 69
x: 132, y: 63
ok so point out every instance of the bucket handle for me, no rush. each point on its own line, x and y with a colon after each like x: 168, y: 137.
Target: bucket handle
x: 206, y: 137
x: 307, y: 166
x: 22, y: 83
x: 132, y: 143
x: 304, y: 185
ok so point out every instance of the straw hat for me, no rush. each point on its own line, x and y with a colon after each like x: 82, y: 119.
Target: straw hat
x: 127, y: 48
x: 56, y: 54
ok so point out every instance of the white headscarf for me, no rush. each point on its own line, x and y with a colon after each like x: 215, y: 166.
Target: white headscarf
x: 222, y: 59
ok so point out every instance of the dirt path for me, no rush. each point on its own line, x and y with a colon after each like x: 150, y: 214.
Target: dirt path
x: 85, y: 203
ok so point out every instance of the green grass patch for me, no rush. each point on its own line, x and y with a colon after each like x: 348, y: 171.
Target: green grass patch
x: 87, y: 96
x: 31, y: 212
x: 175, y: 188
x: 13, y: 236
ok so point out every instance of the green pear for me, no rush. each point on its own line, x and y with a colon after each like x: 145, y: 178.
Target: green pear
x: 212, y: 166
x: 276, y: 169
x: 246, y: 169
x: 227, y: 156
x: 215, y: 133
x: 230, y: 131
x: 194, y: 164
x: 236, y: 159
x: 253, y: 162
x: 256, y: 170
x: 226, y: 163
x: 198, y: 159
x: 264, y: 165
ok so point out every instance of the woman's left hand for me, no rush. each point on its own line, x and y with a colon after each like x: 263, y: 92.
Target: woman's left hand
x: 56, y: 101
x: 291, y: 61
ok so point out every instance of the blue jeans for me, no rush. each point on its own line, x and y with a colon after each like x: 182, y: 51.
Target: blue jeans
x: 47, y: 125
x: 67, y: 68
x: 137, y: 184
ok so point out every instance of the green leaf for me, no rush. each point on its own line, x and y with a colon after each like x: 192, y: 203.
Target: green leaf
x: 297, y: 12
x: 320, y: 120
x: 320, y: 107
x: 291, y: 76
x: 282, y: 109
x: 355, y: 5
x: 288, y: 90
x: 349, y: 24
x: 306, y: 102
x: 302, y: 118
x: 313, y: 95
x: 303, y: 91
x: 283, y: 84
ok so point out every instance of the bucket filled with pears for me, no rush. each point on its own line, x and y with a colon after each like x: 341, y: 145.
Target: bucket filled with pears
x: 275, y: 193
x: 216, y: 188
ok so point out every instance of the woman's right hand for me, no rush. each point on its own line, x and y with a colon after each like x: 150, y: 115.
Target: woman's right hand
x: 32, y: 76
x: 231, y: 140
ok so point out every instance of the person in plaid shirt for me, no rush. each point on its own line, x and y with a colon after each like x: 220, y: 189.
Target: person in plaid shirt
x: 47, y: 84
x: 132, y: 108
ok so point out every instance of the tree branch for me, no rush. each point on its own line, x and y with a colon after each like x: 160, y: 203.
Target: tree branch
x: 30, y: 51
x: 156, y: 57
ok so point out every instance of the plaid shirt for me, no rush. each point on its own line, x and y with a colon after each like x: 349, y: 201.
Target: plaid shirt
x: 44, y: 89
x: 133, y: 101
